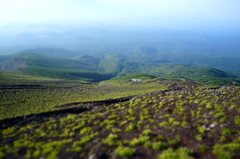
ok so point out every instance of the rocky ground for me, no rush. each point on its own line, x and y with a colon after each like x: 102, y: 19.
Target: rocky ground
x: 185, y: 121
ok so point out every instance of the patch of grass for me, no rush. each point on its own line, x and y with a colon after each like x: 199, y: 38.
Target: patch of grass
x: 139, y: 141
x: 221, y: 154
x: 125, y: 151
x: 86, y: 130
x: 237, y: 120
x: 79, y: 126
x: 175, y: 141
x: 203, y: 148
x: 131, y: 127
x: 111, y: 139
x: 147, y: 132
x: 181, y: 153
x: 159, y: 146
x: 227, y: 131
x: 199, y: 137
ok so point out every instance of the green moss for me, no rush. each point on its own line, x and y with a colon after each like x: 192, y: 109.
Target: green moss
x: 199, y: 137
x: 221, y: 154
x: 223, y: 138
x: 202, y: 129
x: 125, y: 151
x: 175, y: 141
x: 139, y: 141
x: 160, y: 137
x: 147, y: 132
x: 237, y: 120
x: 159, y: 146
x: 163, y: 124
x: 227, y: 131
x: 79, y: 126
x: 181, y: 153
x: 184, y: 123
x: 131, y: 127
x: 2, y: 155
x: 37, y: 153
x: 203, y: 148
x: 116, y: 130
x: 20, y: 143
x: 147, y: 144
x: 86, y: 130
x: 111, y: 140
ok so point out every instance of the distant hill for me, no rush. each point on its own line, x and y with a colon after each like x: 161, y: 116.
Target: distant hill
x: 44, y: 66
x: 5, y: 58
x: 14, y: 65
x: 90, y: 68
x: 54, y: 52
x: 87, y: 59
x: 51, y: 62
x: 204, y: 75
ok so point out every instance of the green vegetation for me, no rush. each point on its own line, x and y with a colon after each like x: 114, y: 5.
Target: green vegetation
x: 118, y: 67
x: 23, y: 94
x: 68, y: 74
x: 164, y: 119
x: 125, y: 151
x: 181, y: 153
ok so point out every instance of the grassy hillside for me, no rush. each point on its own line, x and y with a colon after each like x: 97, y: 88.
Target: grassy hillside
x: 14, y: 65
x: 68, y: 74
x: 188, y: 121
x: 124, y: 79
x: 19, y: 77
x: 95, y: 69
x: 53, y: 52
x: 50, y: 62
x: 22, y: 94
x: 203, y: 75
x: 112, y: 63
x: 83, y: 69
x: 4, y: 58
x: 88, y: 59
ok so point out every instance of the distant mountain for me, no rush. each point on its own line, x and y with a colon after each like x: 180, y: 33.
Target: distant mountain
x: 87, y: 59
x: 52, y: 62
x: 84, y: 68
x: 90, y: 68
x: 54, y: 52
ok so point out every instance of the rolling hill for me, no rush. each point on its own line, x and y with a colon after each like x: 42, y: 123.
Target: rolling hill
x: 95, y: 69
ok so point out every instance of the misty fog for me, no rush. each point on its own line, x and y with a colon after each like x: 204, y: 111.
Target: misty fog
x: 98, y: 41
x: 202, y: 33
x: 97, y: 27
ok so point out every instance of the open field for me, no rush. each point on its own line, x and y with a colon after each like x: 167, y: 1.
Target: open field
x: 179, y: 119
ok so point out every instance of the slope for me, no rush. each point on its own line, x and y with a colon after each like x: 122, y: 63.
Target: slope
x: 97, y: 69
x: 53, y: 52
x: 204, y: 75
x: 43, y: 66
x: 14, y: 65
x: 187, y: 122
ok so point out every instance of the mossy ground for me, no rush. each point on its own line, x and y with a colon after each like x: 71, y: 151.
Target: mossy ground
x: 186, y: 121
x: 22, y: 94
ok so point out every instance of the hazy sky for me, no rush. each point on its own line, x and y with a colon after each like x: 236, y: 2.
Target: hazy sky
x: 160, y: 13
